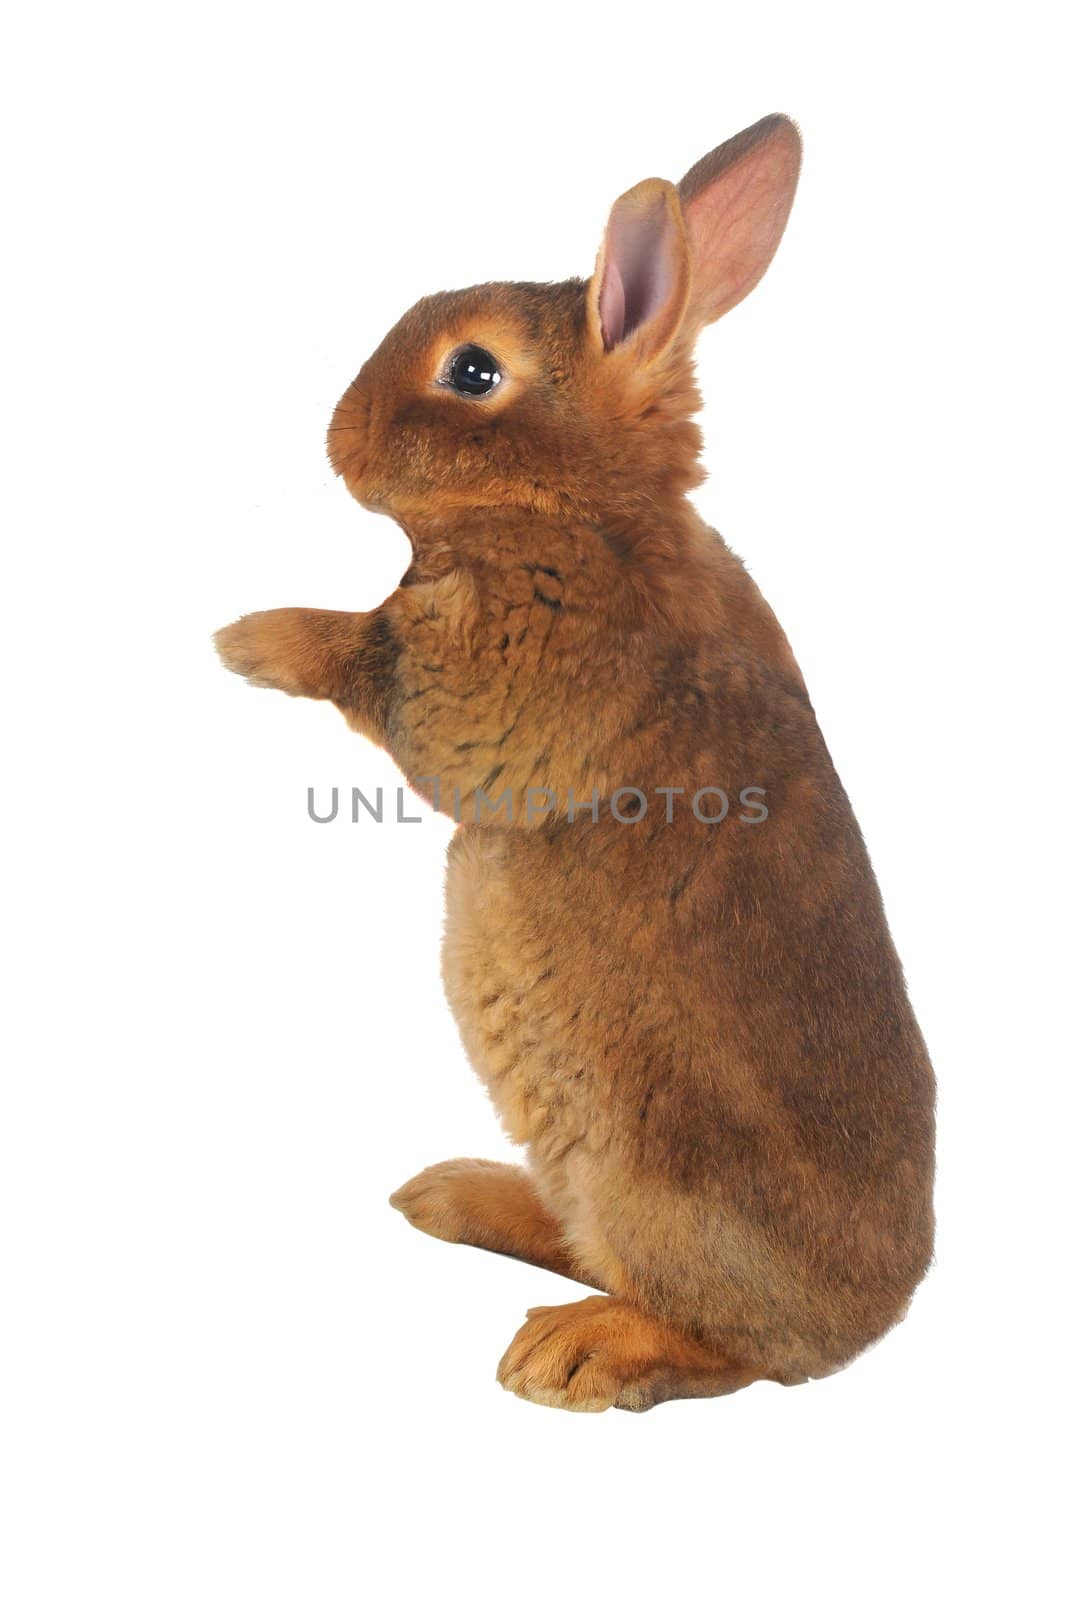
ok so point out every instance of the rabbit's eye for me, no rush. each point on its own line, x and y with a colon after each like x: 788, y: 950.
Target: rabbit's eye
x: 473, y: 370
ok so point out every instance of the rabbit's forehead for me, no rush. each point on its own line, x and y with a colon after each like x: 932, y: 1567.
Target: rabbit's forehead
x: 435, y: 328
x: 507, y: 339
x: 517, y: 324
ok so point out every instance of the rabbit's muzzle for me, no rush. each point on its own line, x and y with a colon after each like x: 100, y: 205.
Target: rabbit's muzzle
x: 348, y: 437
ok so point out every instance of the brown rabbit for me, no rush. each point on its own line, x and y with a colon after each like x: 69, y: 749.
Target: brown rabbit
x: 691, y: 1016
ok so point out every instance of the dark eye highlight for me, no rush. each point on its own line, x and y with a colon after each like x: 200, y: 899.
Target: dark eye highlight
x: 473, y: 370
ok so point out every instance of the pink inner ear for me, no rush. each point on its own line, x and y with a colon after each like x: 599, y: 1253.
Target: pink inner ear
x: 637, y: 272
x: 612, y: 305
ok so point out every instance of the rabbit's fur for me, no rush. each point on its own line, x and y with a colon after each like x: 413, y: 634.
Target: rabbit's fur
x: 700, y: 1033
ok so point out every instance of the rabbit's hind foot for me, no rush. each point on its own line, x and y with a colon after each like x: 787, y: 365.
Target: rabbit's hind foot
x: 602, y: 1352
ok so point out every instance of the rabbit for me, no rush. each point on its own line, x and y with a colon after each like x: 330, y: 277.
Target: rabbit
x: 695, y: 1023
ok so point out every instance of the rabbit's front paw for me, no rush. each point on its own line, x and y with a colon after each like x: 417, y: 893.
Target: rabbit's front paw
x: 273, y: 650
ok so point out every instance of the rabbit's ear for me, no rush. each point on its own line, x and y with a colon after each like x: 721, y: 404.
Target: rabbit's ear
x: 639, y: 291
x: 736, y: 203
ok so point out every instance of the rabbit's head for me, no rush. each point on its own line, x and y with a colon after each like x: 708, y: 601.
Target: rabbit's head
x: 571, y: 398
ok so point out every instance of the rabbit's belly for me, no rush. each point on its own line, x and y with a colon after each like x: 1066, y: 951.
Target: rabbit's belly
x: 511, y: 985
x: 518, y: 1041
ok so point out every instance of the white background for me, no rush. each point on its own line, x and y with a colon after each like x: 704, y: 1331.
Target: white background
x: 228, y: 1367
